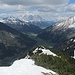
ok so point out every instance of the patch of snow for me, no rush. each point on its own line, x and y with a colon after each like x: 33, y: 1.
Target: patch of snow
x: 35, y: 50
x: 44, y: 51
x: 74, y: 57
x: 72, y: 26
x: 14, y: 21
x: 60, y: 24
x: 12, y: 36
x: 24, y: 67
x: 1, y: 20
x: 27, y: 57
x: 74, y: 40
x: 71, y: 39
x: 74, y: 54
x: 68, y: 23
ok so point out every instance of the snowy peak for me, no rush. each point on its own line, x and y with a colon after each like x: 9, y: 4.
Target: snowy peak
x: 21, y: 25
x: 27, y: 19
x: 31, y: 18
x: 69, y: 23
x: 24, y: 17
x: 40, y: 50
x: 13, y: 20
x: 1, y: 20
x: 43, y: 50
x: 72, y: 22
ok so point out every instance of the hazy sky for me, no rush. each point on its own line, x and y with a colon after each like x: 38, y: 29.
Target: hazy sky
x: 49, y: 9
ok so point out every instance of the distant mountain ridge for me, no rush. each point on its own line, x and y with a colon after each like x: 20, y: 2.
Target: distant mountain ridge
x: 43, y: 24
x: 66, y: 24
x: 28, y: 19
x: 20, y: 25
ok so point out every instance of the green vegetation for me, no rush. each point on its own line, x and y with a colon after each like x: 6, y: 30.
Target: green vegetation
x: 62, y: 64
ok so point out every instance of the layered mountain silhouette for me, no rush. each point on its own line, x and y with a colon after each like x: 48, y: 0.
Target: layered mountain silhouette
x: 12, y: 44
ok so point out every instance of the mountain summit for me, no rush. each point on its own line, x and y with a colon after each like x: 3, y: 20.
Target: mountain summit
x: 64, y: 25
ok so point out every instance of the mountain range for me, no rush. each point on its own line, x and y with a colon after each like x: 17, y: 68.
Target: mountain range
x: 61, y: 35
x: 27, y: 19
x: 21, y: 25
x: 12, y: 44
x: 51, y: 48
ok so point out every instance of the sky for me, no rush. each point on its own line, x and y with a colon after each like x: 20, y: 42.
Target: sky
x: 71, y: 1
x: 47, y: 9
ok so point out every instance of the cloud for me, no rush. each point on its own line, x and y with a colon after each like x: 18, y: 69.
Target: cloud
x: 52, y: 8
x: 19, y: 2
x: 33, y: 2
x: 56, y: 2
x: 10, y: 7
x: 70, y: 8
x: 40, y: 5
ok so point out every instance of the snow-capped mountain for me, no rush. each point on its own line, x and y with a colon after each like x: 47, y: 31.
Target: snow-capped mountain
x: 27, y: 18
x: 13, y: 20
x: 60, y: 35
x: 27, y: 23
x: 66, y: 24
x: 21, y: 25
x: 31, y: 18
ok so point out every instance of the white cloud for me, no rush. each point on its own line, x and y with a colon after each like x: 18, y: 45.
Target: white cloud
x: 31, y: 2
x: 17, y: 4
x: 70, y: 8
x: 10, y: 7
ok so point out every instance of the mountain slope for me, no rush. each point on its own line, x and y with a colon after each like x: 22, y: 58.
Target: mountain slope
x: 42, y: 24
x: 60, y: 34
x: 52, y: 59
x: 12, y: 44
